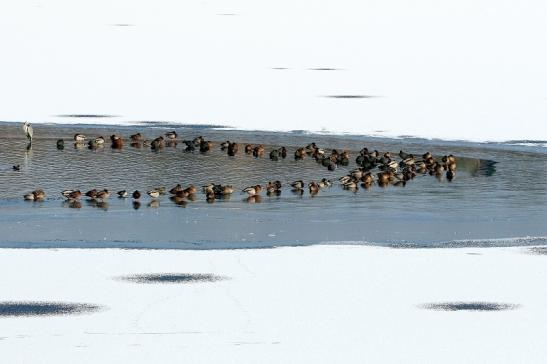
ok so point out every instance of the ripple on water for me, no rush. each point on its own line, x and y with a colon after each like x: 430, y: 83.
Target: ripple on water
x: 469, y: 306
x: 43, y: 308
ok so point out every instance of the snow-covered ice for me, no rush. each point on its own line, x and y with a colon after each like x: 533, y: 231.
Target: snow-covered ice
x: 319, y: 304
x: 469, y: 69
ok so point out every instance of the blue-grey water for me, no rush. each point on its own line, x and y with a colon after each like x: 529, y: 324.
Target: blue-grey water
x: 499, y: 196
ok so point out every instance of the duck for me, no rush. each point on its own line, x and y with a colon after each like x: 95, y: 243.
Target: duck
x: 357, y: 173
x: 79, y: 138
x: 393, y: 165
x: 274, y: 155
x: 182, y: 194
x: 253, y: 190
x: 157, y: 143
x: 197, y: 141
x: 297, y: 185
x: 161, y: 189
x: 282, y: 152
x: 233, y: 149
x: 408, y: 161
x: 208, y: 187
x: 325, y: 183
x: 65, y: 193
x: 60, y: 144
x: 300, y: 153
x: 248, y: 148
x: 36, y: 195
x: 136, y: 194
x: 350, y: 185
x: 383, y: 178
x: 16, y: 167
x: 313, y: 187
x: 136, y: 138
x: 191, y: 189
x: 258, y: 151
x: 91, y: 193
x: 153, y: 193
x: 367, y: 178
x: 176, y: 189
x: 205, y: 146
x: 103, y: 195
x: 420, y: 166
x: 123, y: 194
x: 96, y: 142
x: 190, y: 147
x: 273, y: 187
x: 172, y: 135
x: 117, y: 142
x: 426, y: 156
x: 345, y: 179
x: 310, y: 148
x: 225, y: 145
x: 318, y: 153
x: 403, y: 155
x: 74, y: 195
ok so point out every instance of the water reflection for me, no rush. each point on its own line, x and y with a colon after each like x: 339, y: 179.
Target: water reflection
x: 72, y: 204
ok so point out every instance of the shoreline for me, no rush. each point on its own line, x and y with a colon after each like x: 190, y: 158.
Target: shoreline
x: 291, y: 304
x: 529, y: 144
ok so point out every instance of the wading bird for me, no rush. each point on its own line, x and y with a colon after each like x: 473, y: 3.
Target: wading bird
x: 27, y: 128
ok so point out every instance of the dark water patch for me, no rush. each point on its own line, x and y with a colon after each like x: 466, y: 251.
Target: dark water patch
x: 538, y: 250
x: 97, y: 116
x: 172, y: 278
x: 324, y: 69
x: 300, y: 132
x: 170, y: 124
x: 469, y: 306
x: 43, y: 308
x: 351, y: 96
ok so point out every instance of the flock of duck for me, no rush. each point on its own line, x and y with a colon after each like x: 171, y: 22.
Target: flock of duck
x: 373, y: 168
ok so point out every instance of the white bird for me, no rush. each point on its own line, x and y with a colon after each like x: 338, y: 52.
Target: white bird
x: 27, y: 128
